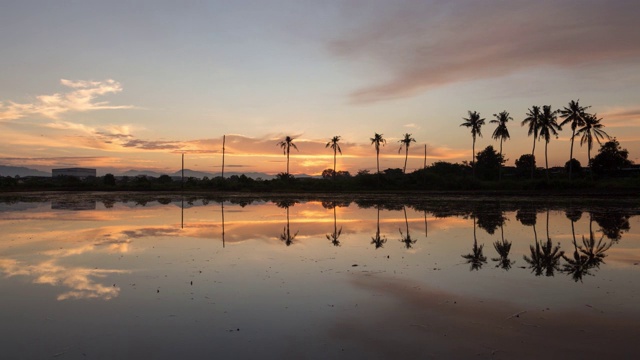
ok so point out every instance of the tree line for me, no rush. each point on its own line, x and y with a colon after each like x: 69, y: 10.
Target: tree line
x: 542, y: 123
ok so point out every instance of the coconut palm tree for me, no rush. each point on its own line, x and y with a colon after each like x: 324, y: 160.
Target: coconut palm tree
x: 574, y: 114
x: 405, y: 142
x: 548, y: 126
x: 474, y: 122
x: 591, y: 129
x: 501, y: 132
x: 333, y: 143
x: 533, y: 121
x: 378, y: 140
x: 286, y: 146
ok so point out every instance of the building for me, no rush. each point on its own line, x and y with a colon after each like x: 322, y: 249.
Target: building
x: 75, y: 172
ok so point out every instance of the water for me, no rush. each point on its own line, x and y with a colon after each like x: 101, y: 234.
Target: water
x: 120, y: 276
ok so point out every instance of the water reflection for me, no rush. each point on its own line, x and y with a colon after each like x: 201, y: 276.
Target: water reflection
x: 334, y: 237
x: 578, y: 253
x: 286, y: 236
x: 407, y: 240
x: 476, y: 258
x: 377, y: 240
x: 545, y: 257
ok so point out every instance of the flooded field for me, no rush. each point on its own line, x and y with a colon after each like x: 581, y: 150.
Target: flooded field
x: 100, y: 276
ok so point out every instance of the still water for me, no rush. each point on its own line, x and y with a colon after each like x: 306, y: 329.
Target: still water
x: 113, y: 276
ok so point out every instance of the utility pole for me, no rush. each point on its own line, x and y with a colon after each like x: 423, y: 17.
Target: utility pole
x: 182, y: 171
x: 223, y: 141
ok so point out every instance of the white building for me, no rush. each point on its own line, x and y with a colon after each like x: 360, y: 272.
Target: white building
x: 75, y: 172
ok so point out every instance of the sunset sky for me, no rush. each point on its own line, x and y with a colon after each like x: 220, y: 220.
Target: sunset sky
x: 122, y: 85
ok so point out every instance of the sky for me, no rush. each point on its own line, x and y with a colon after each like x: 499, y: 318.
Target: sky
x: 123, y: 85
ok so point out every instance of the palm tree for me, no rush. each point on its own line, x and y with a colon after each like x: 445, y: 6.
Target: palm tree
x: 286, y: 146
x: 405, y: 142
x: 501, y: 132
x: 574, y: 115
x: 333, y: 143
x: 548, y: 126
x: 376, y: 140
x: 533, y: 121
x: 475, y: 123
x: 591, y: 129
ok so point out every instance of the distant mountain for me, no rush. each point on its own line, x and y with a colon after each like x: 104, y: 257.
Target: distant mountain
x: 193, y: 173
x: 140, y: 172
x: 21, y: 171
x: 201, y: 174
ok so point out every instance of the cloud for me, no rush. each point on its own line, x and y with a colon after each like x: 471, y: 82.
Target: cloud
x: 621, y: 117
x: 81, y: 98
x: 422, y: 45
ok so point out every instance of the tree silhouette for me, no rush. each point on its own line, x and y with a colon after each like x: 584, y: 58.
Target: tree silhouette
x: 533, y: 122
x: 574, y: 114
x: 591, y: 129
x: 378, y: 140
x: 501, y: 132
x: 378, y: 240
x: 286, y: 146
x: 407, y: 240
x: 333, y: 144
x: 476, y: 258
x: 548, y: 126
x: 334, y: 237
x: 474, y: 122
x: 611, y: 158
x: 405, y: 142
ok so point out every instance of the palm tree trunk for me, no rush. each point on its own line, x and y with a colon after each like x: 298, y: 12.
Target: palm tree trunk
x: 378, y: 160
x: 334, y: 163
x: 287, y: 160
x: 406, y: 154
x: 546, y: 160
x: 589, y: 160
x: 500, y: 168
x: 533, y: 157
x: 473, y: 157
x: 573, y: 134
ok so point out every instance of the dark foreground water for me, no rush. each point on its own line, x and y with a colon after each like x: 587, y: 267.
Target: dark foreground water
x: 103, y: 277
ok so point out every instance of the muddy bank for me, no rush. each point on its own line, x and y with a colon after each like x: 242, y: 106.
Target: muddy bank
x: 407, y: 319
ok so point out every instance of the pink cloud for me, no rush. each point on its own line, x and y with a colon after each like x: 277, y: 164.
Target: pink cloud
x: 422, y: 45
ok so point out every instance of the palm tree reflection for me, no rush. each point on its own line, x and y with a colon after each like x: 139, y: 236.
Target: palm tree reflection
x: 545, y: 257
x: 333, y: 237
x: 286, y: 236
x: 407, y: 240
x: 378, y: 240
x: 476, y: 258
x: 503, y: 247
x: 585, y: 257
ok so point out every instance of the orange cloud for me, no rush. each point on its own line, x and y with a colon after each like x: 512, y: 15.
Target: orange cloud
x: 80, y: 99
